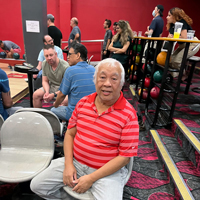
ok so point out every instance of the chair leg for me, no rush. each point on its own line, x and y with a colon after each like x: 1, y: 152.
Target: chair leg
x: 190, y: 77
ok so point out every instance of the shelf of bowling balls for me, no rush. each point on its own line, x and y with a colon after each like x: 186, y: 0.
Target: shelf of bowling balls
x: 162, y: 120
x: 168, y: 87
x: 166, y: 102
x: 169, y: 69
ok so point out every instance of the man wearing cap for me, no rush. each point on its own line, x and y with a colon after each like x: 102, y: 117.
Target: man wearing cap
x: 157, y: 24
x: 53, y: 31
x: 75, y: 34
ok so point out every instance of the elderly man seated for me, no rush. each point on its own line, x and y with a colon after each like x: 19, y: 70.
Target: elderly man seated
x: 101, y: 137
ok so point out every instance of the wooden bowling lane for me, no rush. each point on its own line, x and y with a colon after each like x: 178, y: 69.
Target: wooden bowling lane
x: 18, y: 86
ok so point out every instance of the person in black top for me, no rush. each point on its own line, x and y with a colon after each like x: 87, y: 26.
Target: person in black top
x: 156, y: 27
x: 121, y: 42
x: 178, y: 15
x: 53, y: 31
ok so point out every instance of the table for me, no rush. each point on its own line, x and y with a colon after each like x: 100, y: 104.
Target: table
x: 29, y: 70
x: 12, y: 61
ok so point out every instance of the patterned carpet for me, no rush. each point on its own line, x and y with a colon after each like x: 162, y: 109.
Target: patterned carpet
x: 149, y: 179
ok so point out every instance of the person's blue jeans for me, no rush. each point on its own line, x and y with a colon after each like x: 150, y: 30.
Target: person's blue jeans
x: 61, y: 113
x: 39, y: 74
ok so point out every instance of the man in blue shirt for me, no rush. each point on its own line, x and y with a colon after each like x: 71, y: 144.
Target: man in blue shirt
x: 47, y: 40
x: 77, y: 81
x: 6, y: 102
x: 157, y: 24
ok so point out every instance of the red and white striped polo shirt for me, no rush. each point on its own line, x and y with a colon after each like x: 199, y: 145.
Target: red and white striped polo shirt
x: 100, y: 138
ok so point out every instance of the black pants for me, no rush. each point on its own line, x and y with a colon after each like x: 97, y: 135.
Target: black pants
x: 126, y: 68
x: 107, y: 55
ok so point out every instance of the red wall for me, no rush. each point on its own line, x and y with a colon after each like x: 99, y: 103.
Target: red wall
x: 91, y: 15
x: 11, y: 23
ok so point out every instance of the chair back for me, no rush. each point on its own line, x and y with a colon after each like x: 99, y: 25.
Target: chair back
x: 50, y: 116
x: 129, y: 166
x: 27, y: 146
x: 27, y: 130
x: 89, y: 60
x: 1, y: 121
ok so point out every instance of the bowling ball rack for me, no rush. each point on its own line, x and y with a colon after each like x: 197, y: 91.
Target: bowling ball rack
x: 158, y: 111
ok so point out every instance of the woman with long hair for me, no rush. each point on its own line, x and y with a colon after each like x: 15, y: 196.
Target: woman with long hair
x: 178, y: 15
x: 121, y: 42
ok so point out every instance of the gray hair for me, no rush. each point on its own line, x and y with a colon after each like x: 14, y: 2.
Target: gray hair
x: 111, y: 63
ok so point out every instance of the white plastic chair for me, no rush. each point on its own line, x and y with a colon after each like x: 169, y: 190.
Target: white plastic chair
x: 162, y: 49
x: 50, y: 116
x: 1, y: 121
x: 89, y: 60
x: 88, y: 195
x: 27, y: 147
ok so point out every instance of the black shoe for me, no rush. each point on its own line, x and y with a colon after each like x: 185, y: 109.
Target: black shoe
x: 169, y: 78
x: 185, y: 81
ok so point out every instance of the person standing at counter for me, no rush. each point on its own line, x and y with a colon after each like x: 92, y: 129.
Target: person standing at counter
x: 178, y: 15
x: 156, y: 27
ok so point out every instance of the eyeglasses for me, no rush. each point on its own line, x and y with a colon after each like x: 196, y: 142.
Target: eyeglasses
x: 69, y: 54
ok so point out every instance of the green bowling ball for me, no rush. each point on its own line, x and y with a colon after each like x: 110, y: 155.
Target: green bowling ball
x: 139, y: 47
x: 16, y: 56
x: 151, y: 53
x: 157, y: 76
x: 2, y: 54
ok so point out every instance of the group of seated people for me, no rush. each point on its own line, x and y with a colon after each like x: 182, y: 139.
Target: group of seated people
x: 103, y: 131
x: 67, y: 84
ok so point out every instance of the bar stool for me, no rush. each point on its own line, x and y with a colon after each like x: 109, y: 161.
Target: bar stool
x: 193, y: 60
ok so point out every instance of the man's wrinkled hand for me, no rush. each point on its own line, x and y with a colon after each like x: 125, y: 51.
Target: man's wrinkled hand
x: 82, y: 184
x: 69, y: 175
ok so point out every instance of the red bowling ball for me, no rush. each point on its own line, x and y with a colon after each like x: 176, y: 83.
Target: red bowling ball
x: 134, y: 77
x: 154, y: 92
x: 143, y: 66
x: 144, y: 94
x: 147, y: 82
